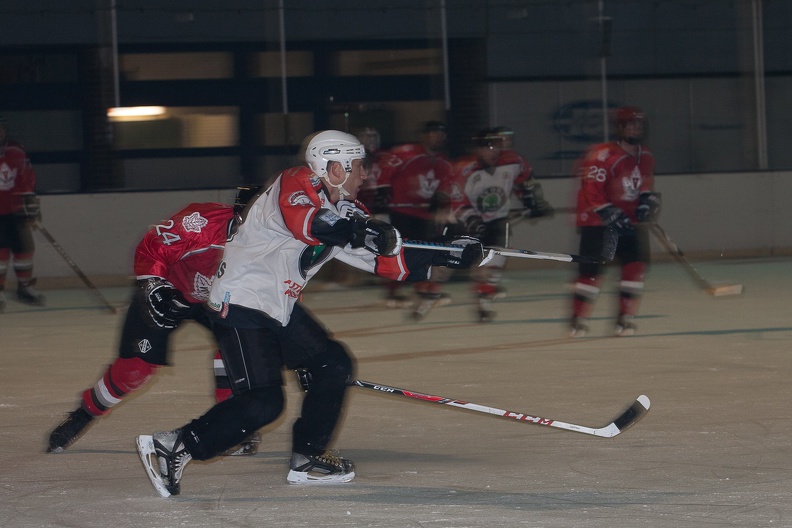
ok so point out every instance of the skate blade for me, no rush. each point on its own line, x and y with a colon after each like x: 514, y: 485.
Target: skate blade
x: 302, y: 478
x: 148, y: 456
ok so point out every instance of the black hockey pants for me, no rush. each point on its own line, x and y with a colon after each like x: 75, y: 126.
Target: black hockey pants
x: 255, y: 348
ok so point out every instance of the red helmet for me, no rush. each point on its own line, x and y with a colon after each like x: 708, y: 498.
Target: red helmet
x: 630, y: 114
x: 626, y: 114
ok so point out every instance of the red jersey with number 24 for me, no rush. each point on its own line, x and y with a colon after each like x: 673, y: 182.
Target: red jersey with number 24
x: 186, y: 249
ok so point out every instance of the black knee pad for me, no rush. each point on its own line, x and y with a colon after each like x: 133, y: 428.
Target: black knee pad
x: 334, y: 364
x: 263, y: 405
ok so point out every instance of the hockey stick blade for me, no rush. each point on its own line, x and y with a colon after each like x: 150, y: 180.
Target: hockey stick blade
x: 492, y: 251
x: 625, y: 420
x: 679, y: 255
x: 560, y: 257
x: 725, y: 289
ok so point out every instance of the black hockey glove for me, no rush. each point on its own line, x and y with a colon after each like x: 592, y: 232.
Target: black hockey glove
x: 649, y: 204
x: 166, y: 305
x: 534, y: 204
x: 615, y: 218
x: 473, y: 252
x: 376, y: 236
x: 31, y: 208
x: 350, y: 210
x: 472, y: 223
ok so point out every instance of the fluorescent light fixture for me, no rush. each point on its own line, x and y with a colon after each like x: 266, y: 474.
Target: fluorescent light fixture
x: 136, y: 113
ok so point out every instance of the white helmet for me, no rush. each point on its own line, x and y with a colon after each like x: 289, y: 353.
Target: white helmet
x: 333, y: 145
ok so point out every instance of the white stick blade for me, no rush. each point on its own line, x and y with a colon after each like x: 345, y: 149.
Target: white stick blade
x: 728, y: 289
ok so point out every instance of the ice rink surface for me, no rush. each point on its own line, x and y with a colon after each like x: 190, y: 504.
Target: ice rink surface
x: 714, y: 450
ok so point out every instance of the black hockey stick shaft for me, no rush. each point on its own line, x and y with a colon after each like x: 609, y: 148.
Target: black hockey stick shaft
x: 73, y: 265
x: 634, y: 412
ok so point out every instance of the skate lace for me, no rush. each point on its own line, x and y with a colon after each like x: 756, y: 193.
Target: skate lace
x: 329, y: 458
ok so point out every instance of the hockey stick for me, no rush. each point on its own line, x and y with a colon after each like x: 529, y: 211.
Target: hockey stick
x: 74, y: 267
x: 609, y: 250
x: 673, y: 249
x: 629, y: 417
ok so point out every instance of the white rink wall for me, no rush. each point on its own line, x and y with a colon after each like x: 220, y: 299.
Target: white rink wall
x: 709, y: 215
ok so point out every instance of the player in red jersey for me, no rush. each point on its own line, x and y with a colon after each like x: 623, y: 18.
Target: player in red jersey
x: 19, y: 211
x: 175, y: 264
x: 372, y: 194
x: 412, y: 175
x: 616, y: 192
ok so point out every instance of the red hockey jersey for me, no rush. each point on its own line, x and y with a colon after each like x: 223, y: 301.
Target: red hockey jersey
x: 186, y: 249
x: 414, y: 175
x: 610, y: 175
x: 16, y: 177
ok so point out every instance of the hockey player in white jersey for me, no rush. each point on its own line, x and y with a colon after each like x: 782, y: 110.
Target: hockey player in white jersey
x: 306, y: 218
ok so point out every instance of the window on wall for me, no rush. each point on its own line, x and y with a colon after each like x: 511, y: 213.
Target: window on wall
x: 396, y: 121
x: 278, y: 129
x: 349, y: 63
x: 268, y: 64
x: 38, y: 68
x: 176, y: 127
x: 176, y: 66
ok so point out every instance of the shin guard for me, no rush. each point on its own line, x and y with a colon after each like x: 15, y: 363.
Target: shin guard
x: 586, y: 291
x: 631, y: 287
x: 125, y: 375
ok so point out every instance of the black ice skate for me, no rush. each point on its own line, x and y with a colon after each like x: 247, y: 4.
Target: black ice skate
x: 164, y: 457
x: 69, y: 431
x: 248, y: 446
x: 320, y: 469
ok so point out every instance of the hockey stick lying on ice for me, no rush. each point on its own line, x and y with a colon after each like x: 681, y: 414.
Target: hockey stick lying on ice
x: 673, y: 249
x: 75, y: 268
x: 609, y: 250
x: 629, y: 417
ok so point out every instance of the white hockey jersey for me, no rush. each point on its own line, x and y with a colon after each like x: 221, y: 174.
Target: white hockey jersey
x: 273, y: 255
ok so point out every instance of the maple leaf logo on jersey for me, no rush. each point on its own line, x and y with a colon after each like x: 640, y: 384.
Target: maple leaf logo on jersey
x: 7, y: 177
x: 632, y: 185
x: 194, y: 223
x: 201, y: 287
x: 428, y: 184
